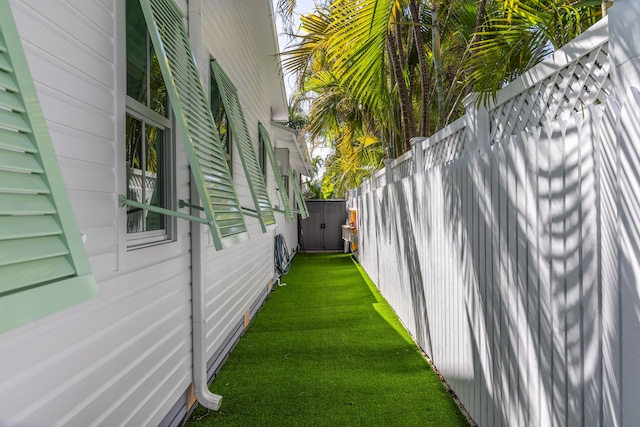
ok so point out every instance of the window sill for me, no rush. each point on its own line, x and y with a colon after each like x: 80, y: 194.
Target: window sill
x: 146, y: 239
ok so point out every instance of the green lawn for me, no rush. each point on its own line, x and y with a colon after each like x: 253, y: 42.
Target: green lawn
x: 327, y: 350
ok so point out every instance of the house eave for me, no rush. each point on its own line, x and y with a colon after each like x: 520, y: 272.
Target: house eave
x: 262, y: 19
x: 289, y: 138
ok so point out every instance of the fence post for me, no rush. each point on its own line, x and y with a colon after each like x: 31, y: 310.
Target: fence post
x: 624, y: 45
x: 388, y: 171
x: 418, y: 154
x: 624, y: 57
x: 478, y: 123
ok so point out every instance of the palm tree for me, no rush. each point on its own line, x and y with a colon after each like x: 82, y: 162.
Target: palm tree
x: 375, y: 73
x: 416, y: 28
x: 518, y: 34
x: 366, y: 98
x: 357, y: 156
x: 374, y: 64
x: 335, y: 116
x: 377, y: 63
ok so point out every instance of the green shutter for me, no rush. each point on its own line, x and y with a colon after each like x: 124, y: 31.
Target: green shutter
x: 302, y: 206
x: 242, y: 139
x: 264, y: 136
x: 195, y: 122
x: 43, y: 263
x: 304, y: 203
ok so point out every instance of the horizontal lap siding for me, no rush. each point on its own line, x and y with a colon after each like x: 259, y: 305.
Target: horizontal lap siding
x: 235, y: 281
x: 289, y: 230
x: 123, y: 358
x: 238, y: 57
x: 238, y: 276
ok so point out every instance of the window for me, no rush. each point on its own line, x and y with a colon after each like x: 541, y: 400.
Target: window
x: 148, y: 135
x: 297, y: 191
x: 244, y: 146
x: 282, y: 181
x: 221, y: 118
x: 164, y: 25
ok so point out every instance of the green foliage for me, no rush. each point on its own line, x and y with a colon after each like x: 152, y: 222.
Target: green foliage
x: 518, y: 34
x: 362, y: 26
x: 357, y: 156
x: 364, y: 75
x: 314, y: 191
x: 297, y: 118
x: 314, y: 188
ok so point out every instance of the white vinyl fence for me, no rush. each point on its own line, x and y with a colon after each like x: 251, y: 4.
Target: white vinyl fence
x: 509, y: 245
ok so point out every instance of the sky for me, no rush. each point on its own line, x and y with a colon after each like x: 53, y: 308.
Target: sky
x: 302, y: 8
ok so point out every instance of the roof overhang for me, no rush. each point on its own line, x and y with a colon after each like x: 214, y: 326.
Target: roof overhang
x: 285, y: 137
x: 262, y: 19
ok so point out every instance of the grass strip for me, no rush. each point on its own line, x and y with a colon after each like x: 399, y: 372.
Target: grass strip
x: 328, y: 350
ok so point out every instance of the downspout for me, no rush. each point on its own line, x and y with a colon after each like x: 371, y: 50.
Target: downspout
x: 198, y: 285
x: 199, y: 326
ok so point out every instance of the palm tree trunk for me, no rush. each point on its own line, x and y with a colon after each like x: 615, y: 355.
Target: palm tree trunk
x: 423, y: 130
x: 437, y: 62
x: 406, y: 108
x: 479, y: 20
x: 477, y: 36
x: 402, y: 61
x: 394, y: 118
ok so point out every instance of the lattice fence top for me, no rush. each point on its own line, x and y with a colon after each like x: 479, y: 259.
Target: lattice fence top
x: 572, y: 82
x: 403, y: 166
x: 447, y: 145
x: 572, y: 79
x: 379, y: 179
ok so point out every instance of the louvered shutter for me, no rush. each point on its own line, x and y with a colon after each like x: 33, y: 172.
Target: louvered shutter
x: 195, y: 121
x: 43, y: 263
x: 266, y: 141
x: 302, y: 206
x: 242, y: 139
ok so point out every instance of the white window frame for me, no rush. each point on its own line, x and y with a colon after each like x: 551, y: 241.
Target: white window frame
x: 147, y: 116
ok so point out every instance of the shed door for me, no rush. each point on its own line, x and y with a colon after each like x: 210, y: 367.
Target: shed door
x: 322, y: 230
x: 312, y: 232
x: 335, y: 216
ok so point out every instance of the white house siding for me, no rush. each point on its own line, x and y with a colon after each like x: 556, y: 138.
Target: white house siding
x: 238, y: 56
x: 238, y: 277
x: 284, y: 137
x: 124, y: 358
x: 290, y: 234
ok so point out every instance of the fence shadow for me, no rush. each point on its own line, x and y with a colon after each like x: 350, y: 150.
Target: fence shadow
x: 516, y: 268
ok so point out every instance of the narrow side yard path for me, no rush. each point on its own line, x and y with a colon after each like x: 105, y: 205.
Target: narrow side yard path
x: 327, y: 350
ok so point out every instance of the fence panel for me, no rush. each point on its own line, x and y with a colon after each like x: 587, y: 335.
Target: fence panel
x: 609, y: 253
x: 512, y: 254
x: 629, y: 246
x: 591, y: 351
x: 504, y: 264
